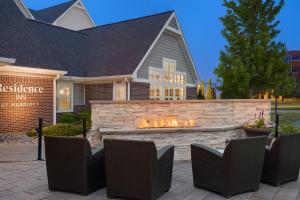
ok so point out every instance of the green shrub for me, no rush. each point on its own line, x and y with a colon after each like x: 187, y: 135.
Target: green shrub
x: 286, y: 129
x: 59, y: 130
x: 62, y: 130
x: 68, y: 118
x: 31, y: 133
x: 87, y: 115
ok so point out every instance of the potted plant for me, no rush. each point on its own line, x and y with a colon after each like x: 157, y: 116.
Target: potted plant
x: 259, y: 128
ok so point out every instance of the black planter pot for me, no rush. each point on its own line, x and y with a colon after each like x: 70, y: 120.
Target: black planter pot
x: 254, y: 132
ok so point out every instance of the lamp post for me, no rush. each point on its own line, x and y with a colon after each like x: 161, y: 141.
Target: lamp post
x: 84, y: 126
x: 40, y: 133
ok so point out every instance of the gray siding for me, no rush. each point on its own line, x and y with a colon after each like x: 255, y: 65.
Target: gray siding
x: 168, y: 46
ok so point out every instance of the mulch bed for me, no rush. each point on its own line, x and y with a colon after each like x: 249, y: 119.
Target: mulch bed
x: 16, y: 138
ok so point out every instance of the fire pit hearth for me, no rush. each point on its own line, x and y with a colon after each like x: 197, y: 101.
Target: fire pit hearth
x: 180, y: 137
x: 179, y: 123
x: 165, y: 122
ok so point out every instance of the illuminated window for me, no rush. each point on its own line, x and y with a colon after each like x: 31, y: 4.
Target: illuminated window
x: 64, y: 97
x: 167, y: 83
x: 120, y: 92
x: 155, y: 92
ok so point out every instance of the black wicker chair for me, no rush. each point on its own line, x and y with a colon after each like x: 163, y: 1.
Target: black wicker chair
x: 72, y: 166
x: 238, y: 170
x: 134, y: 169
x: 282, y: 160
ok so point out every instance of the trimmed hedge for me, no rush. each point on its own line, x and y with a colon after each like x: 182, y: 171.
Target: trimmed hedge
x: 72, y: 118
x: 68, y: 118
x: 59, y: 130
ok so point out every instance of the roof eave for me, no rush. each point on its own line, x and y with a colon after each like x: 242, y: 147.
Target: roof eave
x: 6, y: 61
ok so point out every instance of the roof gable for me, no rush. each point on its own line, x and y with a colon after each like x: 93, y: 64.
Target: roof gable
x: 51, y: 14
x: 75, y: 18
x: 24, y: 9
x: 117, y: 49
x: 108, y: 50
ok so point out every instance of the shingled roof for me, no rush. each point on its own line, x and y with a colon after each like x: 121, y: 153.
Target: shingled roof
x: 108, y: 50
x: 118, y: 48
x: 51, y: 14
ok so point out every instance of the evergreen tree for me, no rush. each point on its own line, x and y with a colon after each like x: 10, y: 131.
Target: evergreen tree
x: 199, y: 95
x: 202, y: 88
x: 214, y: 93
x: 210, y: 92
x: 253, y: 61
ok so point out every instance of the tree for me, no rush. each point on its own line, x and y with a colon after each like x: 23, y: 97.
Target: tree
x: 253, y: 61
x: 210, y: 92
x: 201, y: 90
x: 214, y: 92
x: 199, y: 94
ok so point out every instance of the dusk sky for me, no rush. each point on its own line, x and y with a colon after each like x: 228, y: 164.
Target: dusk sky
x: 199, y: 20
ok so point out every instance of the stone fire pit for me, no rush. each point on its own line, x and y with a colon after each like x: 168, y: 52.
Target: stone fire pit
x: 179, y: 123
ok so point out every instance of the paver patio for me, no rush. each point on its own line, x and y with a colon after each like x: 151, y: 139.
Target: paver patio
x: 28, y: 180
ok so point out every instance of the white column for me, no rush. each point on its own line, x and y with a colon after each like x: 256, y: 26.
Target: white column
x: 54, y: 98
x: 128, y: 91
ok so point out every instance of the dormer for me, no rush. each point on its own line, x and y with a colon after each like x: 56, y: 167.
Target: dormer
x: 71, y: 15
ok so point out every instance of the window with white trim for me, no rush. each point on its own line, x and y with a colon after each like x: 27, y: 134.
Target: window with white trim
x: 64, y: 95
x: 167, y: 83
x: 120, y: 92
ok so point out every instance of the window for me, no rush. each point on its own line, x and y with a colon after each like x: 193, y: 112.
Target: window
x: 293, y: 58
x: 78, y: 94
x: 120, y: 92
x: 296, y: 69
x: 64, y: 97
x: 173, y: 84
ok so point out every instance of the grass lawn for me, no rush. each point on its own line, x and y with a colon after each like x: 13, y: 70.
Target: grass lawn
x: 287, y: 118
x: 293, y: 105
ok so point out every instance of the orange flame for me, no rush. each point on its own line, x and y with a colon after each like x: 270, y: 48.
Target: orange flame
x: 167, y: 122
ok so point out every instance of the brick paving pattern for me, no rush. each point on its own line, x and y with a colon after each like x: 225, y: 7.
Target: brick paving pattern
x: 28, y: 180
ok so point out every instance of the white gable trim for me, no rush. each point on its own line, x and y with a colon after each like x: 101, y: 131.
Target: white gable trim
x: 173, y: 29
x: 74, y: 5
x: 24, y: 9
x: 166, y: 27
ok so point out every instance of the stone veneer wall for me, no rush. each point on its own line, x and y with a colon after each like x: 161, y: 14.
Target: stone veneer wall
x: 22, y: 114
x: 205, y: 113
x: 223, y: 119
x: 181, y: 139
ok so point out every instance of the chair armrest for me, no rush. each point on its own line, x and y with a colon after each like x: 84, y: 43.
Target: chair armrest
x: 209, y: 150
x: 207, y: 166
x: 162, y: 176
x: 269, y: 141
x: 165, y: 150
x: 97, y: 153
x: 268, y: 148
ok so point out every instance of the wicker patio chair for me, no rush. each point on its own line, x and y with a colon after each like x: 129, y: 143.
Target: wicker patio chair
x: 72, y: 166
x: 134, y: 169
x: 282, y: 160
x: 235, y: 171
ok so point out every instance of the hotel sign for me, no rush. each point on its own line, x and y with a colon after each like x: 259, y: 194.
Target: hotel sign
x: 20, y: 93
x: 15, y: 88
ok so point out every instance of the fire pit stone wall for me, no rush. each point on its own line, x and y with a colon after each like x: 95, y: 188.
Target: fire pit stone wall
x: 214, y: 113
x: 208, y: 122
